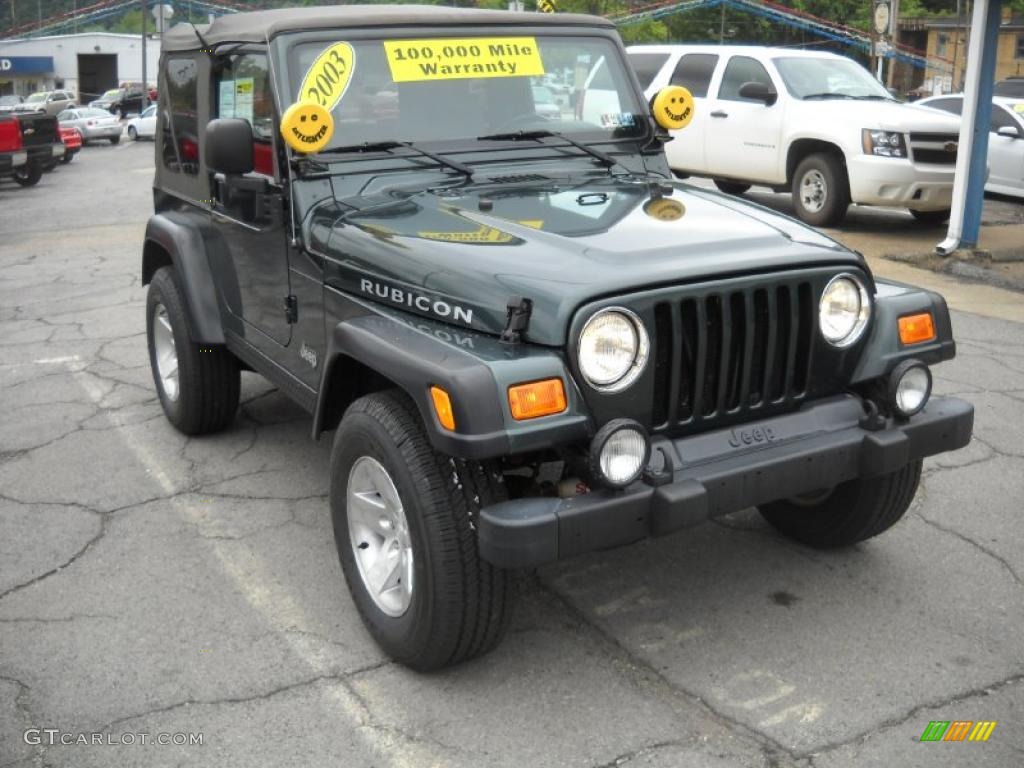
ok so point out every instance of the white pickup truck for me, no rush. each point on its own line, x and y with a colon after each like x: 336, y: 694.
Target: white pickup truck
x: 813, y: 123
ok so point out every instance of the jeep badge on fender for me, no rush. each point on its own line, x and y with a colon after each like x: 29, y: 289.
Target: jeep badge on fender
x: 528, y: 339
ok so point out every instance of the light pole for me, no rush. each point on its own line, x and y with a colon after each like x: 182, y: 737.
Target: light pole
x: 145, y: 89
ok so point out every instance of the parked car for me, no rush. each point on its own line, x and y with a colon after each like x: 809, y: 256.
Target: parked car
x: 1005, y: 141
x: 13, y: 155
x: 143, y: 126
x: 51, y: 102
x: 813, y: 123
x: 92, y: 124
x: 72, y: 139
x: 29, y: 144
x: 529, y: 341
x: 11, y: 102
x: 544, y: 102
x: 1011, y: 87
x: 120, y: 101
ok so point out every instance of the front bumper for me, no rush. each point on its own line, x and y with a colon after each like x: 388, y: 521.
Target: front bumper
x: 719, y: 472
x: 898, y: 182
x: 11, y: 160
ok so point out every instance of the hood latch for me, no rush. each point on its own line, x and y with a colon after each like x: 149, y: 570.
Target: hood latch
x: 517, y: 320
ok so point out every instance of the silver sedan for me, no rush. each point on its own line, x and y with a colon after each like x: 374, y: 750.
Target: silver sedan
x: 92, y: 123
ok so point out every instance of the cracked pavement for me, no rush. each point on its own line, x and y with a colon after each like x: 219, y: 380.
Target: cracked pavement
x: 152, y: 583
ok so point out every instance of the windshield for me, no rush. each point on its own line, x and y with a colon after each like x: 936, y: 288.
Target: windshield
x: 452, y: 90
x: 111, y: 94
x: 93, y: 113
x: 35, y: 97
x: 821, y: 77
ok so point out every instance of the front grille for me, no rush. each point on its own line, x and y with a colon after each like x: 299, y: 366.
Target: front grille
x: 722, y: 355
x: 934, y: 148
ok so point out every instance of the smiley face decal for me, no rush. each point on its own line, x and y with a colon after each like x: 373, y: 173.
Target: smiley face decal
x: 672, y: 108
x: 307, y: 127
x: 664, y: 209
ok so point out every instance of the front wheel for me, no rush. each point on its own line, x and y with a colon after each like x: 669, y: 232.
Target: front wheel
x: 821, y: 190
x: 198, y: 385
x: 29, y: 175
x: 403, y: 517
x: 934, y: 218
x: 854, y: 511
x: 731, y: 187
x: 132, y: 133
x: 115, y: 139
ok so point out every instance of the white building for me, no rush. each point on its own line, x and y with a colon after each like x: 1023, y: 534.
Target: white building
x: 87, y: 64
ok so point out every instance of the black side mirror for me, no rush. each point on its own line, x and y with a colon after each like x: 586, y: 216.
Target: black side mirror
x: 759, y: 92
x: 229, y: 146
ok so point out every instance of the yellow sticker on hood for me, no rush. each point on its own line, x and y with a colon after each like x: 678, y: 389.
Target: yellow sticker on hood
x: 327, y: 78
x: 458, y: 58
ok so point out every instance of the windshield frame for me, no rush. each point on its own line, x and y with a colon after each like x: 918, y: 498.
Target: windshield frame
x: 283, y: 46
x: 881, y: 90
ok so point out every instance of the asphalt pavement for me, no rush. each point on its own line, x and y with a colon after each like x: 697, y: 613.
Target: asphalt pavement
x: 155, y: 584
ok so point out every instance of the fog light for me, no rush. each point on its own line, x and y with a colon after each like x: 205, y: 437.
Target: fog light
x: 910, y: 385
x: 619, y: 452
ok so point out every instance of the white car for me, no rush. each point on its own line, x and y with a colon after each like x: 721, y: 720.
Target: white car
x: 143, y: 126
x: 1005, y: 141
x: 810, y: 122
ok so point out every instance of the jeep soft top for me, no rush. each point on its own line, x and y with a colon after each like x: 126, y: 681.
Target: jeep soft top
x: 531, y: 341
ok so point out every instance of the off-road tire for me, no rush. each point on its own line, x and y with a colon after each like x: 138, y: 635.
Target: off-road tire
x: 208, y: 376
x: 29, y: 175
x: 855, y: 510
x: 115, y: 139
x: 460, y: 604
x: 837, y: 185
x: 933, y: 218
x: 731, y: 187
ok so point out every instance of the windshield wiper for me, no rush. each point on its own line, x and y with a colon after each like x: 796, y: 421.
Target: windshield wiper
x: 827, y: 95
x: 606, y: 160
x: 383, y: 146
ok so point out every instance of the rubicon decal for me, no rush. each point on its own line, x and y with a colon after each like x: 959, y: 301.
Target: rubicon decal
x: 958, y: 730
x: 413, y: 300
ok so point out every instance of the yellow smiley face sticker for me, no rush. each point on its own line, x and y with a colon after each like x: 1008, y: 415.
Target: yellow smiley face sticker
x: 672, y: 108
x: 664, y: 209
x: 307, y: 127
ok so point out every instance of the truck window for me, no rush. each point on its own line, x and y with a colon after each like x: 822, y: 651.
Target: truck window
x: 181, y: 120
x: 243, y: 91
x: 740, y: 70
x: 954, y: 105
x: 647, y: 66
x: 1000, y: 119
x: 694, y: 72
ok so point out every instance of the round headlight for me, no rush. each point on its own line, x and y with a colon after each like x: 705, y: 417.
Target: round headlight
x: 618, y: 452
x: 910, y: 385
x: 844, y: 310
x: 613, y: 349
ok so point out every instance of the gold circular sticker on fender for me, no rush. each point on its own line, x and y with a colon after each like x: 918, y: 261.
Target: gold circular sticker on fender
x: 672, y: 108
x: 327, y: 78
x: 307, y: 127
x: 664, y: 209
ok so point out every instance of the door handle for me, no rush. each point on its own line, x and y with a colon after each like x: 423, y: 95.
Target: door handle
x: 719, y: 113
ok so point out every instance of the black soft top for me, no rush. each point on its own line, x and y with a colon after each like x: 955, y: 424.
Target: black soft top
x: 259, y: 26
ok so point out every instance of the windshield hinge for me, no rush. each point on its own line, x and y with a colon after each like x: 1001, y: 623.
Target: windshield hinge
x: 291, y: 310
x: 517, y: 319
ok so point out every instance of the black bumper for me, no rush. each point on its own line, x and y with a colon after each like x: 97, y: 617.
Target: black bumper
x: 720, y: 472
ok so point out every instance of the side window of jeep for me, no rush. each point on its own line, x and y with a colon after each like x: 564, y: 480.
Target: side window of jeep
x: 242, y: 90
x: 180, y: 106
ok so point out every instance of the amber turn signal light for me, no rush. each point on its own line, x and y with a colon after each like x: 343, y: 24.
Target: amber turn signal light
x: 537, y: 398
x: 443, y: 408
x: 917, y: 328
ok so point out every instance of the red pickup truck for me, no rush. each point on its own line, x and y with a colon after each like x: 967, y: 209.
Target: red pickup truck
x: 29, y: 143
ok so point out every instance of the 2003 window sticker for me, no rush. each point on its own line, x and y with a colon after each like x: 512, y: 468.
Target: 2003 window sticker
x: 457, y: 58
x: 328, y: 77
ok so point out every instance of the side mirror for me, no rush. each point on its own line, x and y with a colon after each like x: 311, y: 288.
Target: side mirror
x: 759, y: 92
x: 1009, y: 131
x: 229, y: 146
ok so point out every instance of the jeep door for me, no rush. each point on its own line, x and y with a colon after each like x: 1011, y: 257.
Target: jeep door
x: 248, y: 210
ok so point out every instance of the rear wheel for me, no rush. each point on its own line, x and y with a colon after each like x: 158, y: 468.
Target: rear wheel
x: 132, y: 133
x: 731, y: 187
x: 198, y: 385
x: 115, y: 139
x: 403, y: 526
x: 821, y: 190
x: 932, y: 217
x: 29, y: 175
x: 68, y: 155
x: 853, y: 511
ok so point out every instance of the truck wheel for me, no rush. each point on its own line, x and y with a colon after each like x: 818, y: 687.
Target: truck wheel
x: 29, y: 175
x: 821, y: 190
x: 403, y: 526
x: 731, y: 187
x: 198, y: 386
x: 932, y: 217
x: 854, y: 511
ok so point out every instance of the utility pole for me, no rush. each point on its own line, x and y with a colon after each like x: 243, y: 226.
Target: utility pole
x: 145, y: 86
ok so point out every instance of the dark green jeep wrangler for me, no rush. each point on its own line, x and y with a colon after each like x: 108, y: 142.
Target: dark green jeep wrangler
x: 453, y: 238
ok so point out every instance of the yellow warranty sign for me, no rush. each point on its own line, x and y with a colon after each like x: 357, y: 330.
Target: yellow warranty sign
x: 327, y: 79
x: 458, y: 58
x: 307, y: 127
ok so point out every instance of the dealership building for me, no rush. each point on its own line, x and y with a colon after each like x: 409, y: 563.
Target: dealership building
x: 86, y: 64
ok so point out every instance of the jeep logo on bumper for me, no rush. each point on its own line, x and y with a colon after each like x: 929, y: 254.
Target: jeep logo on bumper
x: 753, y: 436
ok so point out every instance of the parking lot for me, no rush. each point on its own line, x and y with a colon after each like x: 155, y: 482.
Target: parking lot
x: 151, y: 583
